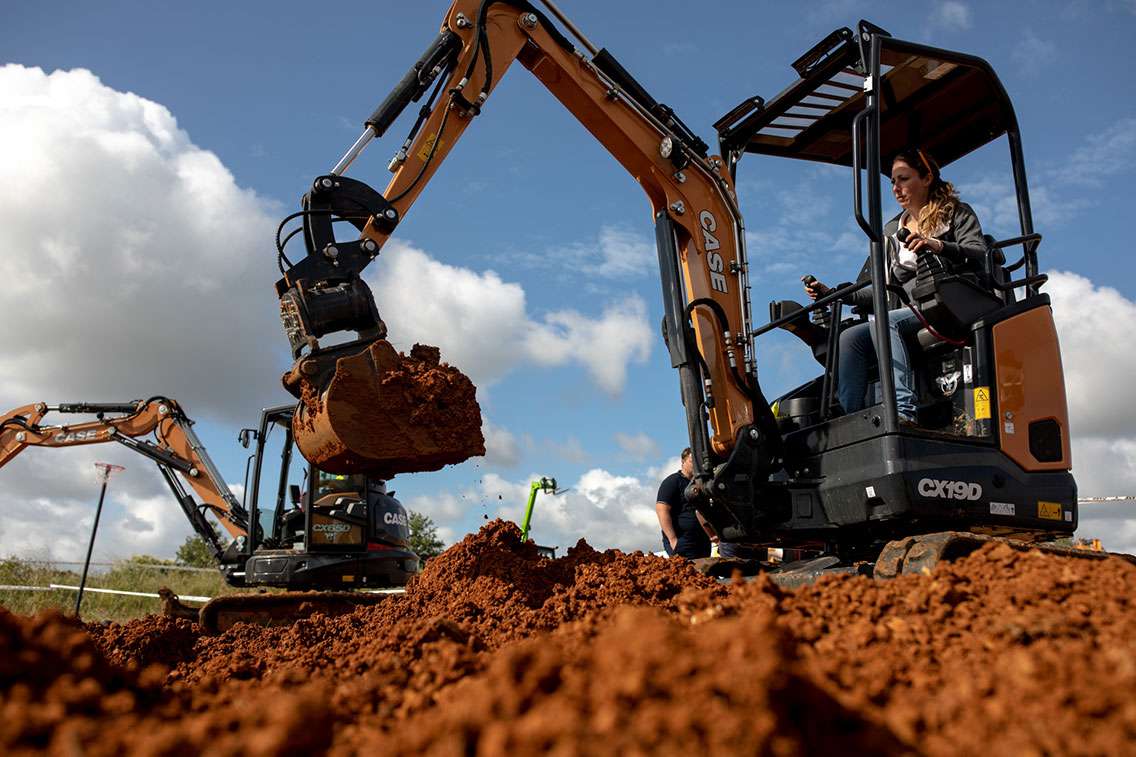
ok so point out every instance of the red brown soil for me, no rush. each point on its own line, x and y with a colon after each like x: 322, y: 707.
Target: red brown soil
x: 386, y: 412
x: 494, y: 650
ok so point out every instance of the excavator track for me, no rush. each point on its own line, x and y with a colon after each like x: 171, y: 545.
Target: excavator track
x: 222, y: 613
x: 920, y: 554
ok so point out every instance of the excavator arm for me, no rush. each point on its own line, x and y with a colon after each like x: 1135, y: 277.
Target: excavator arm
x: 698, y: 227
x: 175, y: 448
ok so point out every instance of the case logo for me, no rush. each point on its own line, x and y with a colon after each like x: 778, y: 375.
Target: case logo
x: 714, y: 260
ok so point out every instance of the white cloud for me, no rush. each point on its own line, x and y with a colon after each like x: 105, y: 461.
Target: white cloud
x: 49, y: 497
x: 607, y: 509
x: 637, y: 446
x: 1107, y: 153
x: 1032, y: 53
x: 951, y: 15
x: 996, y: 204
x: 1099, y: 359
x: 616, y: 252
x: 501, y: 447
x: 570, y: 450
x: 624, y: 253
x: 482, y: 326
x: 133, y: 263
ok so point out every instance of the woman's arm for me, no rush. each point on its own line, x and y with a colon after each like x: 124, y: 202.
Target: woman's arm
x: 968, y: 243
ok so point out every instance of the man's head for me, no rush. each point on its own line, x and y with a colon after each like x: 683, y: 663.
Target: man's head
x: 687, y: 467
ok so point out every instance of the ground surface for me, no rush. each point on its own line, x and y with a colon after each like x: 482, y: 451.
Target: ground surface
x: 493, y: 650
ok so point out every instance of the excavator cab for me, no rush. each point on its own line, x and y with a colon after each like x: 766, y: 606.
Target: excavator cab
x: 322, y: 530
x: 990, y: 453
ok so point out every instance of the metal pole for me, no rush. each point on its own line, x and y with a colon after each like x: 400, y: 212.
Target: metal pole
x: 105, y: 470
x: 90, y: 547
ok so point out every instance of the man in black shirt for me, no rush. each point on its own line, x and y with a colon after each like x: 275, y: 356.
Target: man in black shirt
x: 683, y: 532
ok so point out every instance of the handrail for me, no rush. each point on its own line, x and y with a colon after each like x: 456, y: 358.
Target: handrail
x: 857, y: 196
x: 838, y: 293
x: 1017, y: 240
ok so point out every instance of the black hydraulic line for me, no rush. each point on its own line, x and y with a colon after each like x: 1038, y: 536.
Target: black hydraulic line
x: 200, y: 524
x: 414, y: 83
x: 157, y: 454
x: 100, y: 407
x: 724, y: 323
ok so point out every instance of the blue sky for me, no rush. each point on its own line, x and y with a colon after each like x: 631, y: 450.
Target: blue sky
x: 529, y: 214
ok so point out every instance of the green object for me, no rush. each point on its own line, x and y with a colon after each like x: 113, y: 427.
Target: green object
x: 546, y: 485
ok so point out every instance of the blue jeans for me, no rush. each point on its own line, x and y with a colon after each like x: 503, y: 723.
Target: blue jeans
x: 858, y: 351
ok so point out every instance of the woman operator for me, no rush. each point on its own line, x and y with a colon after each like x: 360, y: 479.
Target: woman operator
x: 938, y: 223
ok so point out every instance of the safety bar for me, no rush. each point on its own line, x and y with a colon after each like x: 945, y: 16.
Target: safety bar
x: 857, y: 197
x: 835, y: 294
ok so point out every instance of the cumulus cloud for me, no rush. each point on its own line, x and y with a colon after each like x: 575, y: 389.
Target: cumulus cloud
x: 637, y: 446
x: 49, y: 497
x: 133, y: 263
x: 1099, y: 359
x: 951, y: 15
x: 606, y: 509
x: 482, y: 325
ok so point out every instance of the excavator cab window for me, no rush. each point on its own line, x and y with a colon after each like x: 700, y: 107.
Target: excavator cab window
x: 338, y: 483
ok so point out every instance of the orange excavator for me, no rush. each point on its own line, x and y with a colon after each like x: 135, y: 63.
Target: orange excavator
x: 852, y: 491
x: 325, y: 532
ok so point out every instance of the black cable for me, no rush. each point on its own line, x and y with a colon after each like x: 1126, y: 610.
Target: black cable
x: 724, y: 323
x: 425, y: 163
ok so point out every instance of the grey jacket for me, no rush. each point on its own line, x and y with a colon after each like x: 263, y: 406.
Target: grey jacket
x: 964, y: 251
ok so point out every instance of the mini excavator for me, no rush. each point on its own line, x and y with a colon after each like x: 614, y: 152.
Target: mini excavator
x: 339, y: 532
x: 855, y: 492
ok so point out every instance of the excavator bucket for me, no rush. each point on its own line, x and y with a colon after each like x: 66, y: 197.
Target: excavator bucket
x: 374, y: 410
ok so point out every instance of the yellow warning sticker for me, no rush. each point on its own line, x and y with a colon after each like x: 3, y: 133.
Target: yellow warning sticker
x: 981, y: 402
x: 428, y: 145
x: 1049, y: 510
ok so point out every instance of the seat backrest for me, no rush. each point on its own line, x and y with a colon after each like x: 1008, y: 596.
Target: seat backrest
x: 995, y: 266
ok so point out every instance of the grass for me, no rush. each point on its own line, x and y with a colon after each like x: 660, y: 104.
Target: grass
x: 135, y: 574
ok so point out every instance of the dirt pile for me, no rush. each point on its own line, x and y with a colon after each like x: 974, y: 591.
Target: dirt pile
x: 493, y: 649
x: 384, y: 412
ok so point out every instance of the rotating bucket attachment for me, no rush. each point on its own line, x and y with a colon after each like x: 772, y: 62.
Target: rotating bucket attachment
x: 370, y: 409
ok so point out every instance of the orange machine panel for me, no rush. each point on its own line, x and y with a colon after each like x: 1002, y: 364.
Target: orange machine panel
x: 1030, y: 387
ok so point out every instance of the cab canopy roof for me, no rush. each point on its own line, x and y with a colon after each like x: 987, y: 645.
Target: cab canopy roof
x: 945, y: 102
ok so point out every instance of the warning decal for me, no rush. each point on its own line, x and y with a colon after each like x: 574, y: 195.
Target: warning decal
x: 428, y: 146
x: 981, y: 402
x: 1049, y: 510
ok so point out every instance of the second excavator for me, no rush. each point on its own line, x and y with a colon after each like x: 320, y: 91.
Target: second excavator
x: 318, y: 535
x: 991, y: 454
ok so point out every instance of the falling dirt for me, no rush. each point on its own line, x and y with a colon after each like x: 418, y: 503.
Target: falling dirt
x: 386, y: 412
x: 495, y: 650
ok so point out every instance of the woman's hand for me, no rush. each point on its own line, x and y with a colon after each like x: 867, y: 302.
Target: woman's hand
x: 920, y: 244
x: 816, y: 289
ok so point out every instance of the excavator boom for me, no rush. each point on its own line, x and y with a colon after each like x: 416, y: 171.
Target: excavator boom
x: 698, y: 227
x: 175, y: 449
